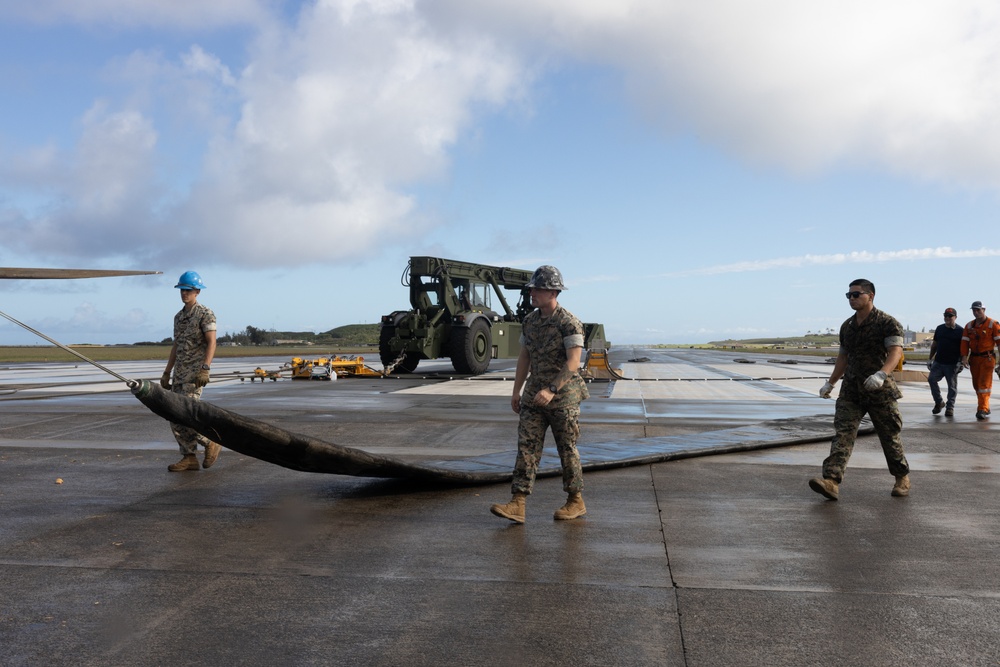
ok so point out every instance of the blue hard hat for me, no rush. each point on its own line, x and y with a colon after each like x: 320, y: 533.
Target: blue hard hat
x: 190, y: 280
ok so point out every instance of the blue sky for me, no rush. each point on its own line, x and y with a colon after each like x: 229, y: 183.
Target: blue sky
x: 698, y: 171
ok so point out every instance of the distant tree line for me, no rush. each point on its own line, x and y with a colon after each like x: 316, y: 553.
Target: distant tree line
x: 828, y: 332
x: 347, y: 335
x: 350, y: 334
x: 250, y: 336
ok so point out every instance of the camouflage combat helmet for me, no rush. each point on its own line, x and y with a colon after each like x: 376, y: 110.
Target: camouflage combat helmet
x: 547, y: 277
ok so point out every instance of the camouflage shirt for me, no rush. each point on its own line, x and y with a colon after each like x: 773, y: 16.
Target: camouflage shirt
x: 547, y: 341
x: 189, y: 336
x: 867, y: 347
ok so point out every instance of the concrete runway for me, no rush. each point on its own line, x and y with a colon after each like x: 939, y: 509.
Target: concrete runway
x: 717, y: 560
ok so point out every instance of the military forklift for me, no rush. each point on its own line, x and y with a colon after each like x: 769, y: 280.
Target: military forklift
x: 459, y: 310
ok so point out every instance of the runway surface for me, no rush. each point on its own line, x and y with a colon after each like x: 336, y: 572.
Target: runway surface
x: 726, y: 559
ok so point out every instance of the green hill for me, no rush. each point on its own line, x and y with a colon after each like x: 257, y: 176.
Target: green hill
x: 355, y: 334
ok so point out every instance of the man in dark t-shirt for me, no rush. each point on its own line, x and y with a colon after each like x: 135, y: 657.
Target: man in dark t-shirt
x: 945, y: 361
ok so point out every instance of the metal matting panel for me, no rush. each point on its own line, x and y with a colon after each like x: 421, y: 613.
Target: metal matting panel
x: 721, y: 389
x: 463, y: 388
x: 772, y: 371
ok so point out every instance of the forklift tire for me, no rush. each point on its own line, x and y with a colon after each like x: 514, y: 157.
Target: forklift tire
x: 472, y: 348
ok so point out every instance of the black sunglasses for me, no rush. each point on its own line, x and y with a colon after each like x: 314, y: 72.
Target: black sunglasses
x: 855, y: 295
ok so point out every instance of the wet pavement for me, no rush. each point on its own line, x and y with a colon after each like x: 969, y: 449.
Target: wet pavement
x: 727, y: 559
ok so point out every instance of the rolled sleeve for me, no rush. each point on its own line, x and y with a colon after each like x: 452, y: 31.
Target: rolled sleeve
x: 893, y: 341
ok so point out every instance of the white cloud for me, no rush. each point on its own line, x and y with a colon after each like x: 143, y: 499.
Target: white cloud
x: 334, y: 120
x: 339, y: 116
x: 317, y: 140
x: 857, y: 257
x: 197, y: 61
x: 103, y: 189
x: 910, y: 86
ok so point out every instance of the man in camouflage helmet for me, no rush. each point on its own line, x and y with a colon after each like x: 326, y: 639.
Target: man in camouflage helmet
x: 871, y: 346
x: 190, y: 361
x: 551, y: 347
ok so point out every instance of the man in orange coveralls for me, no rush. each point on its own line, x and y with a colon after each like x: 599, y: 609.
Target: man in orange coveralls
x: 979, y: 338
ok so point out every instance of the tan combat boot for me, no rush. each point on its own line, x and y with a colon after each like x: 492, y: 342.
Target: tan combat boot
x: 212, y: 450
x: 189, y: 462
x: 573, y: 508
x: 514, y: 510
x: 902, y: 486
x: 826, y: 487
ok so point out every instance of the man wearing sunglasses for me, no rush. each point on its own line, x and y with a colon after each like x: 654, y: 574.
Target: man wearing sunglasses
x: 871, y: 346
x: 945, y: 361
x: 979, y: 338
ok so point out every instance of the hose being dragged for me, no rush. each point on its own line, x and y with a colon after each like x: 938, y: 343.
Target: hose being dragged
x: 270, y: 443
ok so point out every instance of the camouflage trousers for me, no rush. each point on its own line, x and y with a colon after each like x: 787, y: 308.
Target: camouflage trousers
x: 188, y: 438
x: 888, y: 425
x: 565, y: 424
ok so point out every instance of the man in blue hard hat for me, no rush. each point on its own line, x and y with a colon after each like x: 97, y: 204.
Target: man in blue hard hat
x: 190, y: 362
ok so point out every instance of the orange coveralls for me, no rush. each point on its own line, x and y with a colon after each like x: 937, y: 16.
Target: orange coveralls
x: 978, y: 341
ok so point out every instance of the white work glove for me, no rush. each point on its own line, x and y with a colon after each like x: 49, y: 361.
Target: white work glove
x: 875, y: 381
x: 826, y: 390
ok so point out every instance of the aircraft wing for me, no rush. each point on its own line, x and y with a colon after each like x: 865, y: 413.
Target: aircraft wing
x: 8, y: 273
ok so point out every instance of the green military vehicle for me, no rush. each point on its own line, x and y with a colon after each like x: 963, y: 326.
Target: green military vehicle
x: 459, y: 310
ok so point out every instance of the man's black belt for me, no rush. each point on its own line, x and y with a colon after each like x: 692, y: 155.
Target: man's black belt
x: 981, y: 354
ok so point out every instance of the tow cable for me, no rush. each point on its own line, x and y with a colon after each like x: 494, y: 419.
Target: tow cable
x: 132, y: 384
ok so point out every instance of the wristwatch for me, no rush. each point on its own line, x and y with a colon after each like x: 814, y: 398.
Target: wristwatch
x: 553, y: 389
x: 206, y: 367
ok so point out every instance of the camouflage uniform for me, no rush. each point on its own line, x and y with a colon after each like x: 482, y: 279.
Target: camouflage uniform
x: 867, y: 349
x: 189, y: 336
x: 547, y: 341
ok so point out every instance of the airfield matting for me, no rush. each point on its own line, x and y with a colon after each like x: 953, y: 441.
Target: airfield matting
x: 269, y: 443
